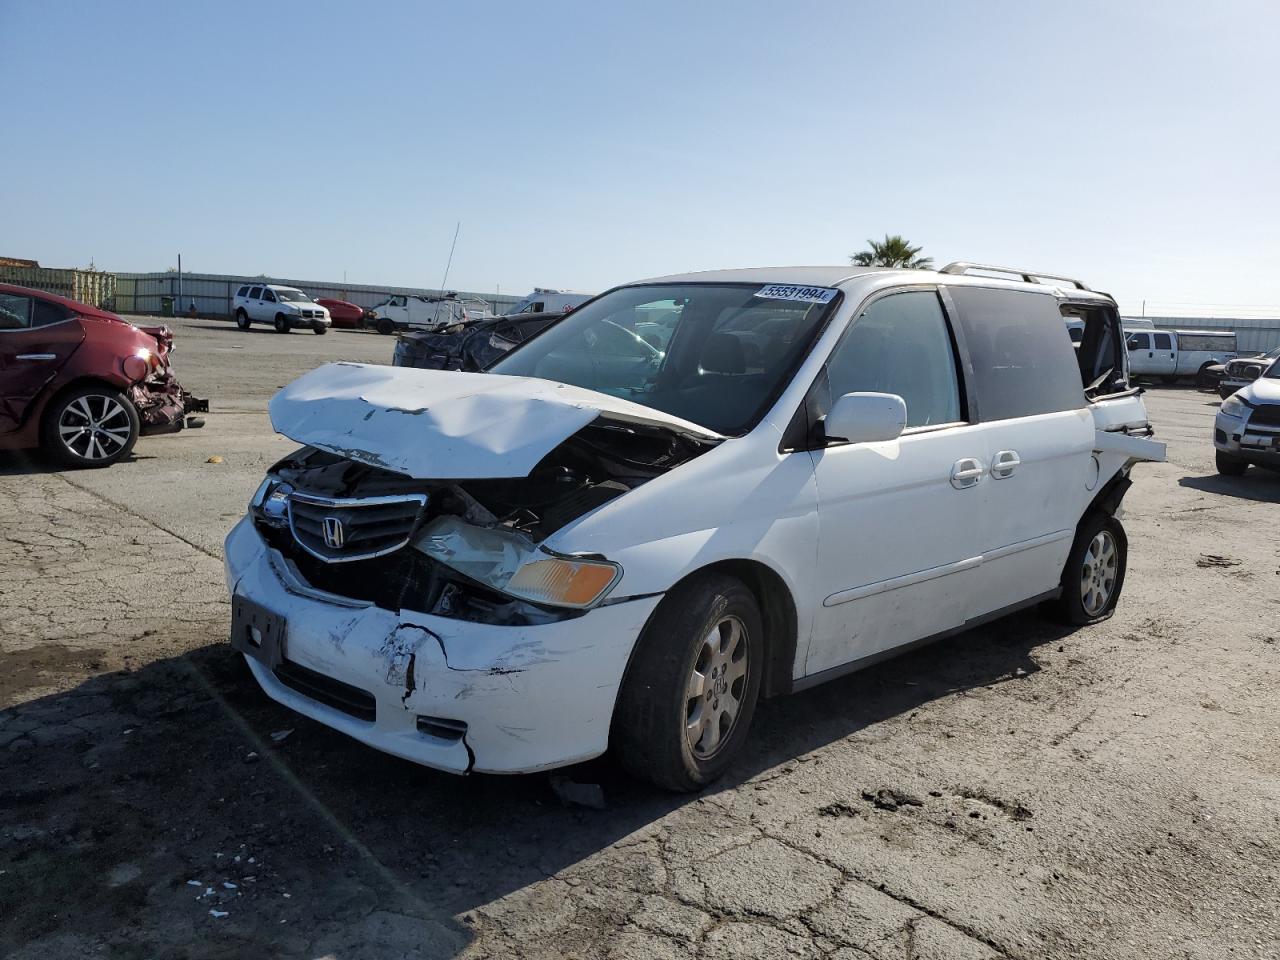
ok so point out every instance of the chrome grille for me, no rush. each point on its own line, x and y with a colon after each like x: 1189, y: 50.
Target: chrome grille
x: 340, y: 530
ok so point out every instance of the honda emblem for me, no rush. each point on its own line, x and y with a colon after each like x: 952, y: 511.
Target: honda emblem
x: 333, y: 533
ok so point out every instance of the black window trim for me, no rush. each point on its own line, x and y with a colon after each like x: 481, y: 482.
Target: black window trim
x: 959, y: 353
x: 31, y: 318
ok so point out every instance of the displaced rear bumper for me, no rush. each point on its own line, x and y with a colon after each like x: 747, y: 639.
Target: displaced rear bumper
x: 162, y: 404
x: 448, y: 694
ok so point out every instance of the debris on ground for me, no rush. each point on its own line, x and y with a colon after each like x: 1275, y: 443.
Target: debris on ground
x: 1213, y: 560
x: 214, y: 459
x: 886, y: 798
x: 218, y: 913
x: 573, y: 794
x: 279, y: 736
x: 838, y: 809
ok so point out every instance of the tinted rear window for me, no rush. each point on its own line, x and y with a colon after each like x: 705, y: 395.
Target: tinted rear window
x: 243, y: 291
x: 256, y: 293
x: 1023, y: 361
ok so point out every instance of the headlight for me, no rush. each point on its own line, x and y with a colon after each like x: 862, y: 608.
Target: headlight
x: 509, y: 562
x: 270, y: 503
x: 1233, y: 406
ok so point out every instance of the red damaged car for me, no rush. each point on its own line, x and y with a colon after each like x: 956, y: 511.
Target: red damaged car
x: 342, y: 313
x: 81, y: 383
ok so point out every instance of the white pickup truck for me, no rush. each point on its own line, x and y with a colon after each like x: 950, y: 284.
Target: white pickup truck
x: 412, y: 312
x: 1171, y: 354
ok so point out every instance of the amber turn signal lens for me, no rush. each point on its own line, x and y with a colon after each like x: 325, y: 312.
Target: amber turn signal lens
x: 563, y: 581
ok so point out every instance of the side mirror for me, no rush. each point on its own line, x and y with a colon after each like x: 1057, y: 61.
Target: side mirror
x: 866, y: 418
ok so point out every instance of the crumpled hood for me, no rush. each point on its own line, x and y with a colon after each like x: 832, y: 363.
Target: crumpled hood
x: 443, y: 424
x: 1262, y: 390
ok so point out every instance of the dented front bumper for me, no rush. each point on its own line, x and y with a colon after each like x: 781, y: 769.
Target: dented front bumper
x: 449, y: 694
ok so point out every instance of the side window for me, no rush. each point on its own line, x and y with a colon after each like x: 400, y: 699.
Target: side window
x: 15, y: 312
x: 1023, y: 361
x: 1139, y: 341
x: 268, y: 296
x: 536, y: 307
x: 901, y: 344
x: 44, y: 313
x: 1163, y: 341
x: 242, y: 292
x: 255, y: 293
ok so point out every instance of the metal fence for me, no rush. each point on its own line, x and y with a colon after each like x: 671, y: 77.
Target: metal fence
x: 212, y: 293
x: 1253, y: 335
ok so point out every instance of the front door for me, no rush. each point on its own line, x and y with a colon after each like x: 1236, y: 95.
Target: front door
x: 1142, y: 358
x: 1164, y: 360
x: 36, y: 338
x: 899, y: 521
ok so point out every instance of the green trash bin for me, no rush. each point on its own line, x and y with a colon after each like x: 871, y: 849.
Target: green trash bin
x: 166, y: 306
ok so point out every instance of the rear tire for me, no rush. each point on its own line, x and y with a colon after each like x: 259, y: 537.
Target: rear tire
x: 385, y: 326
x: 686, y: 705
x: 1203, y: 380
x: 282, y: 323
x: 242, y: 319
x: 1094, y: 573
x: 1228, y: 465
x: 92, y: 426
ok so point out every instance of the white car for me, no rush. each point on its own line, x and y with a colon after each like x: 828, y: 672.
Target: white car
x: 609, y: 543
x: 1247, y: 427
x: 1170, y: 354
x: 282, y: 307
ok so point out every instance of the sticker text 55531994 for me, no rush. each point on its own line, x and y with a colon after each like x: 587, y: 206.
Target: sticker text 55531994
x: 791, y: 291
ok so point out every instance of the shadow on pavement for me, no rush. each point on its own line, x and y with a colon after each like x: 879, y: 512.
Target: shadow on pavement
x: 1256, y: 484
x: 119, y: 793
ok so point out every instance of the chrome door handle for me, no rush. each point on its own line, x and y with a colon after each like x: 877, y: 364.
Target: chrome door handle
x: 37, y: 356
x: 966, y: 473
x: 1005, y: 462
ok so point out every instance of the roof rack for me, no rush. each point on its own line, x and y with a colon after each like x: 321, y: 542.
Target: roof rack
x: 963, y: 267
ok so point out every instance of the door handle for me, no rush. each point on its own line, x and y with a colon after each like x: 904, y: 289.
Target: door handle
x: 1004, y: 463
x: 966, y: 473
x: 37, y: 356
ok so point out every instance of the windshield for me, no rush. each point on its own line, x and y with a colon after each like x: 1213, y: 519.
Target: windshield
x: 293, y: 296
x: 1273, y: 371
x: 714, y: 354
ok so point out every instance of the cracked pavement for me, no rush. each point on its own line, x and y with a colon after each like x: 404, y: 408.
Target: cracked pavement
x: 1020, y: 791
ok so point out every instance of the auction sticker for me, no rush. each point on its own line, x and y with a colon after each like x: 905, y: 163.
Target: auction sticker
x: 790, y: 291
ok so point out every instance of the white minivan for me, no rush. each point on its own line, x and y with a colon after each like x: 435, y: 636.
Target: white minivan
x: 1171, y: 354
x: 606, y: 543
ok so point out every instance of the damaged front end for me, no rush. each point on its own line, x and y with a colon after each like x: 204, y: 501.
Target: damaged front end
x: 162, y: 403
x: 467, y: 549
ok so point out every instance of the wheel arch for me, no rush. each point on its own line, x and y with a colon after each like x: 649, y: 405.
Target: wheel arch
x: 777, y: 607
x: 86, y: 380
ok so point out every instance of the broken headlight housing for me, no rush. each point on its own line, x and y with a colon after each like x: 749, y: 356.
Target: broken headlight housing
x: 510, y: 562
x: 270, y: 503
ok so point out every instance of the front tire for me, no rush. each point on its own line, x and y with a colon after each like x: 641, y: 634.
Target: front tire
x: 242, y: 320
x: 385, y: 326
x: 282, y: 323
x: 1225, y: 392
x: 1094, y: 574
x: 319, y: 329
x: 1228, y: 465
x: 689, y: 696
x: 93, y: 426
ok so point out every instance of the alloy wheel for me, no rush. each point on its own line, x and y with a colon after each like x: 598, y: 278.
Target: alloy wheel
x: 94, y: 427
x: 1098, y: 573
x: 716, y: 687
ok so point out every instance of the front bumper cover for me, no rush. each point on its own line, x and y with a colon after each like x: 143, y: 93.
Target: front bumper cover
x: 529, y: 698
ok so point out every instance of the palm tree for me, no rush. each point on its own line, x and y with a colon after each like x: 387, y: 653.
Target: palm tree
x: 894, y: 251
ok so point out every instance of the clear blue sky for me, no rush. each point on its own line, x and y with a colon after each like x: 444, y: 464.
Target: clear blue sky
x: 586, y: 144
